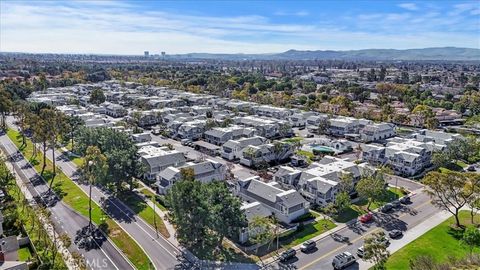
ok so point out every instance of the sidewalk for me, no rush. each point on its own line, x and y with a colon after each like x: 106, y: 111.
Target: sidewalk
x: 46, y: 223
x: 412, y: 234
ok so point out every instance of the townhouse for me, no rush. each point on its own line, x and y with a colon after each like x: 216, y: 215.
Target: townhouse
x: 219, y: 136
x: 286, y: 205
x: 233, y: 149
x: 157, y: 159
x: 319, y: 183
x: 192, y: 130
x: 253, y: 156
x: 205, y: 172
x: 115, y: 110
x: 407, y: 157
x: 377, y: 131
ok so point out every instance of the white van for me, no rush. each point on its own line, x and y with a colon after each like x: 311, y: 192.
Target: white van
x: 343, y: 260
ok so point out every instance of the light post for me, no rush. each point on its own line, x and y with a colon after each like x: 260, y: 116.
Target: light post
x: 89, y: 165
x: 155, y: 215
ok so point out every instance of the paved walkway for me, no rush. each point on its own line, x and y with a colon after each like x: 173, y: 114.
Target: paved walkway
x: 412, y: 234
x: 46, y: 223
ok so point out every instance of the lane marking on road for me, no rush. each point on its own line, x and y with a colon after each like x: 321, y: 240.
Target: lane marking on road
x: 358, y: 238
x: 340, y: 247
x: 34, y: 173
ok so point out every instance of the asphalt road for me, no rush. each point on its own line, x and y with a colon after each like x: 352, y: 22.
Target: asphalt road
x: 161, y: 252
x: 66, y: 220
x: 402, y: 219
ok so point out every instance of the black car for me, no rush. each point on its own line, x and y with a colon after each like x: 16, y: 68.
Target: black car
x: 287, y: 254
x: 395, y: 233
x: 308, y: 245
x: 396, y: 204
x: 405, y: 200
x: 386, y: 208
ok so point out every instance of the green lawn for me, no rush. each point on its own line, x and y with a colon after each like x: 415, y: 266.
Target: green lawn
x: 293, y: 238
x: 24, y: 254
x: 440, y: 242
x: 360, y: 207
x: 142, y: 209
x: 307, y: 232
x: 73, y: 196
x: 152, y: 195
x: 227, y: 254
x: 36, y: 233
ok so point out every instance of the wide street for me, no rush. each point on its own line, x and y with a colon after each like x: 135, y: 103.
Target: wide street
x: 404, y: 218
x: 161, y: 252
x: 66, y: 220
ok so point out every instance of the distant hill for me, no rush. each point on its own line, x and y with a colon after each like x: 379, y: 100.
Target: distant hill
x: 443, y: 53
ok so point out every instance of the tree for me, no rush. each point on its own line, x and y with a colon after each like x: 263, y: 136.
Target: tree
x: 42, y: 134
x: 94, y: 167
x: 6, y: 105
x: 259, y: 230
x: 425, y: 117
x: 22, y: 113
x: 342, y: 201
x: 226, y: 216
x: 189, y: 212
x: 451, y: 190
x: 97, y: 96
x: 323, y: 126
x: 440, y: 159
x: 55, y: 122
x: 471, y: 238
x: 474, y: 205
x: 346, y: 182
x: 375, y: 250
x: 371, y: 187
x: 73, y: 122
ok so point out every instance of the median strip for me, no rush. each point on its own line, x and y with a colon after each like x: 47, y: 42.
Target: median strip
x: 73, y: 196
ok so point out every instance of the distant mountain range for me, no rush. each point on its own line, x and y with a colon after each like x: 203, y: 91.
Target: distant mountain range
x: 443, y: 53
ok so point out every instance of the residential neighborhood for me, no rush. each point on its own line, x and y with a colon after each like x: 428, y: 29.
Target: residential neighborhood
x: 258, y: 135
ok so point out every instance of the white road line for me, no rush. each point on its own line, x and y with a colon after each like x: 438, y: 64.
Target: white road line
x: 35, y: 188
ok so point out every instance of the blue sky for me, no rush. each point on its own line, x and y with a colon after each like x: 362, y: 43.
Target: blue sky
x: 130, y: 27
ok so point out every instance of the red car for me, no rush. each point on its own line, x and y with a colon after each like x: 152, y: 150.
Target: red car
x: 366, y: 218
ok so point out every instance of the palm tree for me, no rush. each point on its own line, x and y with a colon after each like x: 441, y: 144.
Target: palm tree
x: 94, y: 167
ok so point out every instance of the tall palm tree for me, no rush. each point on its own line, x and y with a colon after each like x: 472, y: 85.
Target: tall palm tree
x: 95, y: 167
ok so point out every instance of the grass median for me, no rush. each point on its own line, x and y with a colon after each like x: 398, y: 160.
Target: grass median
x: 73, y: 196
x: 143, y: 210
x: 441, y: 242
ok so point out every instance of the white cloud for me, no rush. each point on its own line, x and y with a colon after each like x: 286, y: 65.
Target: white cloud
x: 105, y: 27
x: 409, y: 6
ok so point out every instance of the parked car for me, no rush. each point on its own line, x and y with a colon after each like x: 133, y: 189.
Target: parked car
x: 360, y: 252
x: 308, y: 245
x: 405, y: 200
x: 383, y: 241
x: 386, y: 208
x: 309, y: 136
x: 395, y: 233
x: 287, y: 254
x: 366, y: 218
x: 343, y: 260
x: 184, y: 141
x: 470, y: 168
x: 396, y: 204
x: 339, y: 238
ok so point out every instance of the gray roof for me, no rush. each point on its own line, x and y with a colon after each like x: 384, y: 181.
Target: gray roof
x: 255, y: 209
